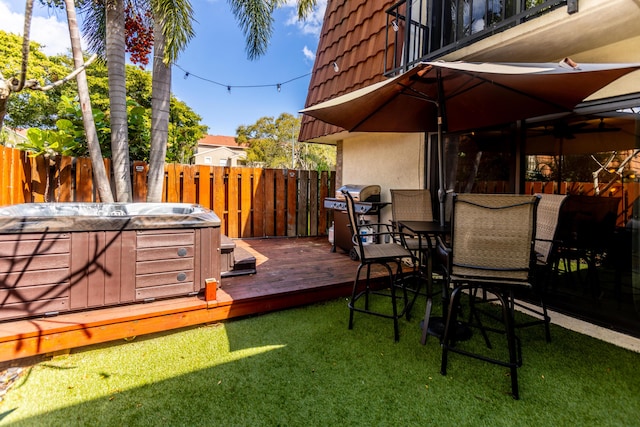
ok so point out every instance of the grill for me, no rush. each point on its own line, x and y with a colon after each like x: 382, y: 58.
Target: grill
x: 367, y: 202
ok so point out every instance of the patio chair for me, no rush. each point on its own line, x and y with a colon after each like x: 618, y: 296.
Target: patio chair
x: 546, y: 251
x: 411, y: 205
x: 491, y: 250
x: 415, y: 205
x: 381, y: 248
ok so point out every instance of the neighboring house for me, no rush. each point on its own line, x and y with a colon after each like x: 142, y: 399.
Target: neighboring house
x: 358, y: 47
x: 218, y: 150
x: 13, y: 137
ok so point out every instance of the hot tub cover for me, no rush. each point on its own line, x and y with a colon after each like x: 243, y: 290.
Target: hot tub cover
x: 61, y: 217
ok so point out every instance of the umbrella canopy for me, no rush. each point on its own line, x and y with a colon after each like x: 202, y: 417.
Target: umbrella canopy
x: 470, y: 95
x: 458, y: 96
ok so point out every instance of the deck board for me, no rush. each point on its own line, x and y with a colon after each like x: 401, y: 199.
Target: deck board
x: 290, y: 272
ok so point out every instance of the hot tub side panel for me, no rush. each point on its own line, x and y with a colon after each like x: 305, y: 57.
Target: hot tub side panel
x: 102, y: 271
x: 34, y: 274
x: 50, y: 273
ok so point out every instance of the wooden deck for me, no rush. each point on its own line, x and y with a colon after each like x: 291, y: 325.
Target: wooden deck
x: 290, y: 272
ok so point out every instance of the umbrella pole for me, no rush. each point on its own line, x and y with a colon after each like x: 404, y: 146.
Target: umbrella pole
x: 441, y: 189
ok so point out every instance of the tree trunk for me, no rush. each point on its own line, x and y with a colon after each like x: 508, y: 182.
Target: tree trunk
x: 117, y: 99
x: 160, y: 102
x: 16, y: 85
x: 100, y: 178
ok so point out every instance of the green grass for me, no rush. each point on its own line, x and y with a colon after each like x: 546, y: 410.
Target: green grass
x: 303, y: 367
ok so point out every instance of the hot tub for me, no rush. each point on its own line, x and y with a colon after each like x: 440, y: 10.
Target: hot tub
x: 59, y: 257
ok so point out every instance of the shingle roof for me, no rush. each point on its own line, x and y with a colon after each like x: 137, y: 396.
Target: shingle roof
x: 353, y: 36
x: 219, y: 141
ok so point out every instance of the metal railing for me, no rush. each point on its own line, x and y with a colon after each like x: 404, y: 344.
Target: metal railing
x: 422, y: 30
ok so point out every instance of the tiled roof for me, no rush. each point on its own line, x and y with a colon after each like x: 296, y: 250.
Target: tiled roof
x: 218, y: 141
x: 353, y: 36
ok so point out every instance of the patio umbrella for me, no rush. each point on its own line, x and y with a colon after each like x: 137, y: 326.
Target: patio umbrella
x: 458, y: 96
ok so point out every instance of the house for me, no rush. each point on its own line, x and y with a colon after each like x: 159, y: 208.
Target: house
x: 359, y: 46
x: 11, y: 137
x: 218, y: 150
x: 364, y: 42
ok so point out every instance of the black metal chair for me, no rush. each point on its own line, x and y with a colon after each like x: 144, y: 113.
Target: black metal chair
x: 381, y: 248
x: 492, y: 251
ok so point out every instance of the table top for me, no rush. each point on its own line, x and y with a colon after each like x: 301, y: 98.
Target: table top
x: 426, y: 227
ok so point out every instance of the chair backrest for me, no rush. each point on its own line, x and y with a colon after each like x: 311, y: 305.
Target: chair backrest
x: 411, y: 205
x: 492, y: 236
x: 547, y: 219
x: 353, y: 220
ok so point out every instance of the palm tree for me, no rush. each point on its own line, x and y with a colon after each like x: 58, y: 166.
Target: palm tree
x: 99, y: 173
x: 173, y: 18
x: 172, y: 23
x: 115, y: 49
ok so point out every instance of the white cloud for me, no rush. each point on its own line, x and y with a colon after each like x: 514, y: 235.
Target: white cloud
x: 313, y: 23
x: 308, y: 53
x: 48, y: 31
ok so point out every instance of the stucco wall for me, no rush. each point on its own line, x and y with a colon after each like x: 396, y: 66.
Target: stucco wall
x: 388, y: 160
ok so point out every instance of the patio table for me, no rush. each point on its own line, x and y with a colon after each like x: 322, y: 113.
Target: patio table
x: 427, y: 230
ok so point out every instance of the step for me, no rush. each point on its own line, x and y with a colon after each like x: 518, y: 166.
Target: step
x: 235, y: 261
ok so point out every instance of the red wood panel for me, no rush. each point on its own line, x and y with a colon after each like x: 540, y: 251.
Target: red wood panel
x: 302, y: 204
x: 22, y: 173
x: 246, y: 195
x: 189, y: 188
x: 313, y: 203
x: 269, y: 205
x: 5, y: 175
x: 323, y: 220
x: 205, y: 196
x: 233, y: 229
x: 292, y: 198
x: 84, y: 180
x: 173, y: 182
x: 220, y: 196
x: 39, y: 169
x: 258, y: 206
x: 281, y: 203
x: 139, y: 181
x: 63, y: 179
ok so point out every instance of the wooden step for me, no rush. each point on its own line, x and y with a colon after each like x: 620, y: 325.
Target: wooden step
x: 235, y: 261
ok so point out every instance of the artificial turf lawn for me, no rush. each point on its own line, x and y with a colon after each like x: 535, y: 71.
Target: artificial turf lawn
x: 303, y: 367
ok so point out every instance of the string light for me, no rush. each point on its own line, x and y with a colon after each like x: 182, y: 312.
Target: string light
x: 278, y: 86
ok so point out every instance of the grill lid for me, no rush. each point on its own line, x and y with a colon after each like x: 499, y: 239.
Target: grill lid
x: 361, y: 193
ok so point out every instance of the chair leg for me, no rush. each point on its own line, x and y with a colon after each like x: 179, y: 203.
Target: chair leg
x: 511, y: 342
x: 448, y: 336
x: 354, y: 293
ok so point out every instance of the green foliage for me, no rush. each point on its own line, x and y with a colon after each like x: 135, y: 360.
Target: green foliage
x: 31, y: 108
x: 272, y: 143
x: 52, y: 143
x: 304, y: 367
x: 35, y: 109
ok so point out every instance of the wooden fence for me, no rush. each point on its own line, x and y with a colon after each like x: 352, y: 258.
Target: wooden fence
x: 251, y: 202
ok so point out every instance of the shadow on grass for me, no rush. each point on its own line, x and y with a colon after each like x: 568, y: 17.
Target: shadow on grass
x: 304, y: 367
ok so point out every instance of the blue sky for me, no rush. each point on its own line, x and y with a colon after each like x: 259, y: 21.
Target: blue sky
x: 216, y: 54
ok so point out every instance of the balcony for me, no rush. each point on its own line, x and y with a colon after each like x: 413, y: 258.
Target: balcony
x: 423, y: 30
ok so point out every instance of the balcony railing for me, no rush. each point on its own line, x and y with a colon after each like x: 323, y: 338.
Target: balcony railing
x: 422, y: 30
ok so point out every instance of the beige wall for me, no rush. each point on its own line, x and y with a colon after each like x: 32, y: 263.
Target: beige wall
x: 388, y: 160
